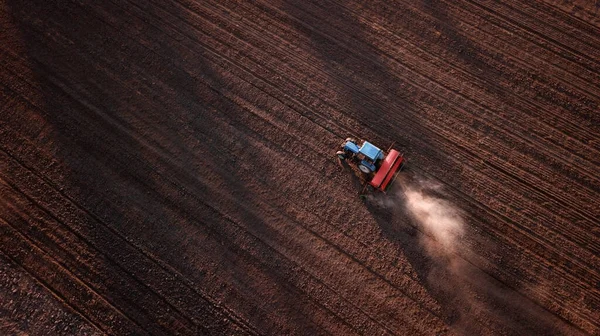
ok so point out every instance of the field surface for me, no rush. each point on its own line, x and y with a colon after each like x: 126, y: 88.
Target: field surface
x: 167, y: 167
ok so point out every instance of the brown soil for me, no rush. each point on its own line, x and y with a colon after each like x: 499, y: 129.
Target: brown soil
x: 167, y: 167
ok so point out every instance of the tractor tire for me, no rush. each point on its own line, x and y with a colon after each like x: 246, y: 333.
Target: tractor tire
x: 341, y: 155
x: 364, y: 169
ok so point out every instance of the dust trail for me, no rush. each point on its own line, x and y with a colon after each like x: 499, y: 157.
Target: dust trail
x: 443, y: 228
x: 475, y: 302
x: 439, y: 219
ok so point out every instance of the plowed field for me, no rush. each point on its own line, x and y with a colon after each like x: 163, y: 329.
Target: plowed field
x: 167, y: 167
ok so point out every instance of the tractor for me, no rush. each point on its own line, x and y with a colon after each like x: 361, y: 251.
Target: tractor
x: 377, y: 167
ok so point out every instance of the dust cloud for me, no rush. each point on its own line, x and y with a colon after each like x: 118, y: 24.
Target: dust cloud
x: 471, y: 296
x: 437, y: 218
x: 442, y: 229
x: 440, y: 221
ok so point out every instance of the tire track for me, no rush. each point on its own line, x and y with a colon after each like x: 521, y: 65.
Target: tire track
x: 103, y: 239
x: 454, y: 88
x: 53, y: 247
x: 432, y: 34
x: 64, y: 286
x: 557, y: 93
x: 571, y: 26
x: 589, y: 17
x: 16, y: 282
x: 503, y: 39
x: 536, y: 27
x: 259, y: 130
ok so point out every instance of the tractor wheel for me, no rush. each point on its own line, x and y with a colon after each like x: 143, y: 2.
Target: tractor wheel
x: 341, y: 155
x: 351, y: 140
x: 364, y: 169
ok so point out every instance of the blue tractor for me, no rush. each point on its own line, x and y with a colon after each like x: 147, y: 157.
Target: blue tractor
x: 368, y: 157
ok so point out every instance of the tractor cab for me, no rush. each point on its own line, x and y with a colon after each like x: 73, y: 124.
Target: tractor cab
x: 368, y: 156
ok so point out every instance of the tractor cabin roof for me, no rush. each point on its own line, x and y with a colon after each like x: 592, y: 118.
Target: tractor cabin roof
x: 371, y: 151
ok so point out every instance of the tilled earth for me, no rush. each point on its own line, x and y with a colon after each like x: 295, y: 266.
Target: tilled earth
x: 167, y: 167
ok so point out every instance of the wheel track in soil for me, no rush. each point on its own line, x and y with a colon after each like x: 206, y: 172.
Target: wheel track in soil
x: 420, y: 41
x: 495, y: 37
x: 19, y: 249
x: 571, y: 13
x: 582, y: 185
x: 141, y: 280
x: 39, y: 282
x: 567, y: 107
x: 576, y: 27
x: 537, y: 27
x: 14, y: 282
x: 494, y: 31
x: 89, y: 252
x: 499, y: 58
